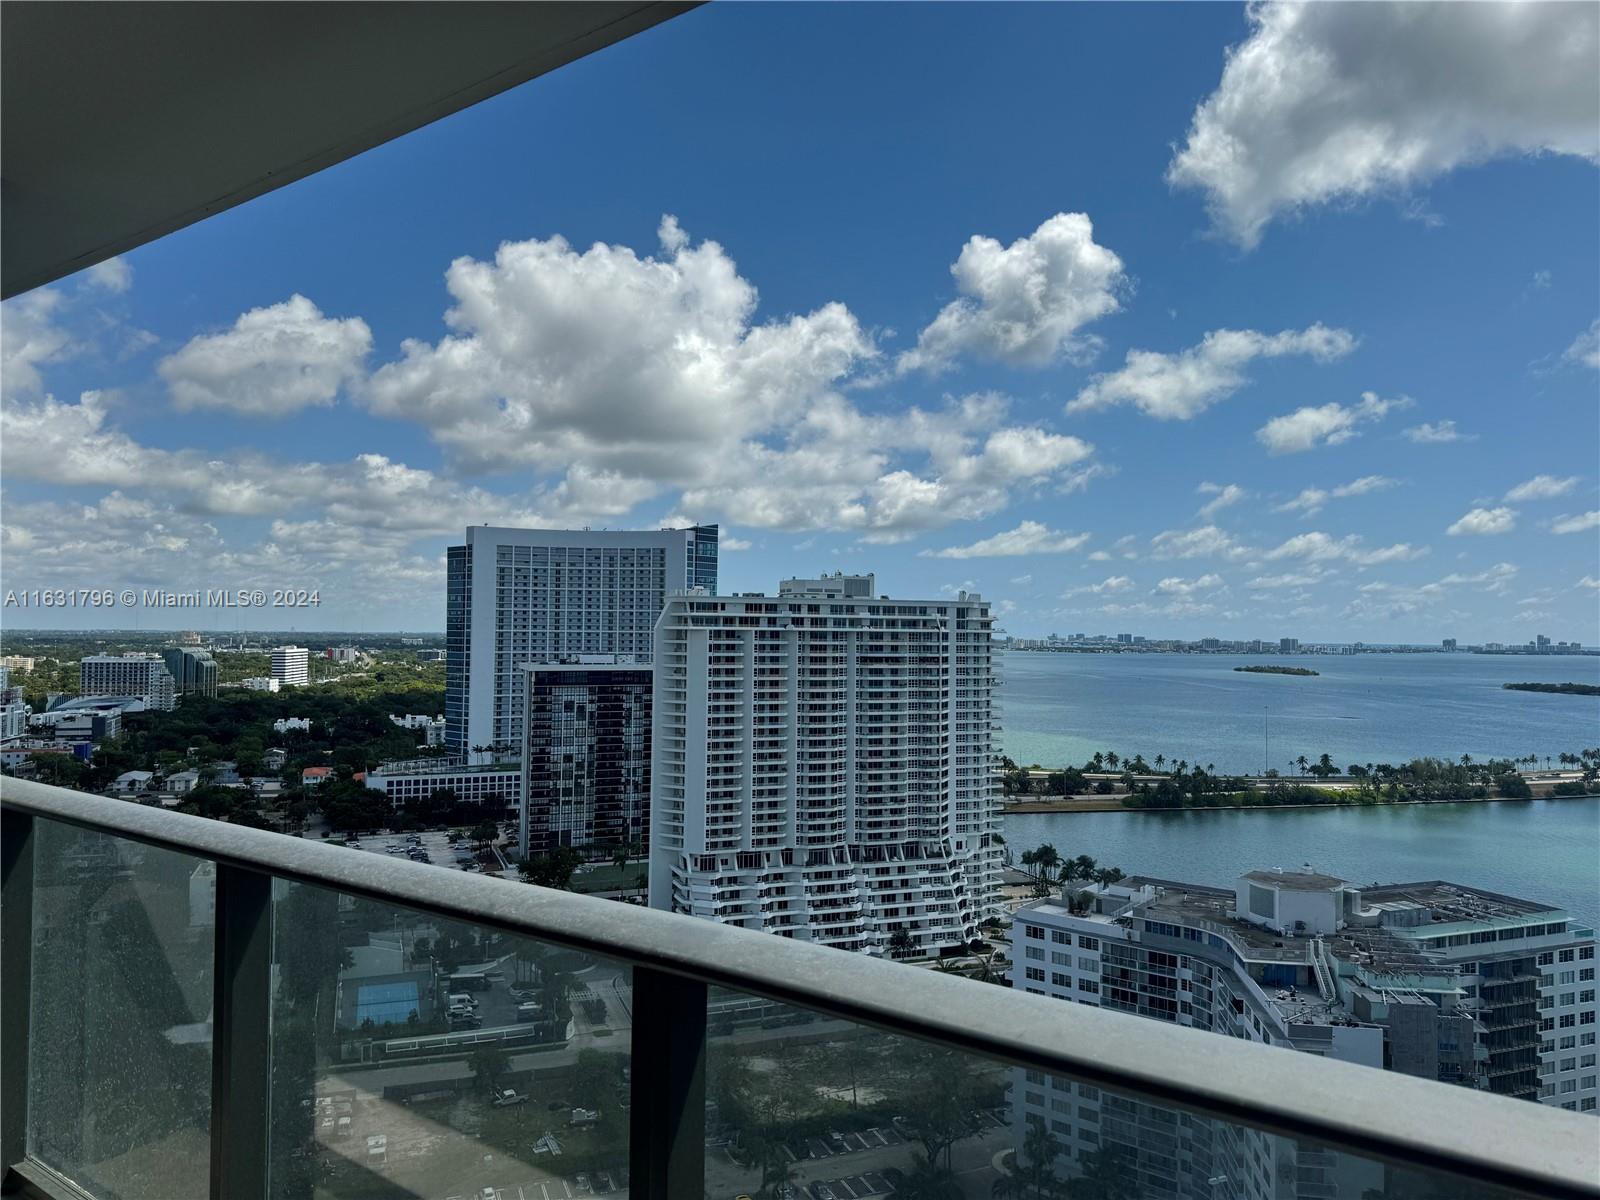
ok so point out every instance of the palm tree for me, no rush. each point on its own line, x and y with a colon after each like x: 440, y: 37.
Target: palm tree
x: 1160, y: 760
x: 1112, y: 760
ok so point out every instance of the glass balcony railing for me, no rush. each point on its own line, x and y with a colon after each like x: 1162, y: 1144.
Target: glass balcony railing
x: 195, y: 1009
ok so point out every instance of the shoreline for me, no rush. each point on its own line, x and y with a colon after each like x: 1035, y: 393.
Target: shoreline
x: 1032, y: 807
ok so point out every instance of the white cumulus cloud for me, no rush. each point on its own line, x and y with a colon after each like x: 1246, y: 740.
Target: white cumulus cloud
x: 1312, y: 500
x: 273, y: 362
x: 1109, y: 586
x: 1585, y: 348
x: 1030, y: 537
x: 1222, y: 496
x: 1207, y: 541
x: 654, y: 374
x: 112, y: 275
x: 1183, y: 385
x: 1323, y: 425
x: 1484, y: 521
x: 1023, y: 304
x: 29, y: 339
x: 1322, y: 547
x: 1576, y: 524
x: 1436, y: 433
x: 1174, y: 585
x: 1331, y: 102
x: 1541, y: 487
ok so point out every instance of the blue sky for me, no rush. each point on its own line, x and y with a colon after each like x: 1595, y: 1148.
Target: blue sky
x: 1179, y: 320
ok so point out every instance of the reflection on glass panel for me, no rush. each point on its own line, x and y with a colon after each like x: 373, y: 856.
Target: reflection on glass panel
x: 805, y: 1105
x: 413, y: 1055
x: 120, y: 1035
x: 808, y: 1108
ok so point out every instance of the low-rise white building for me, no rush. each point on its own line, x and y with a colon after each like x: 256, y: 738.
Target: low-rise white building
x: 292, y: 725
x: 432, y: 728
x: 497, y: 785
x: 131, y: 782
x: 260, y: 683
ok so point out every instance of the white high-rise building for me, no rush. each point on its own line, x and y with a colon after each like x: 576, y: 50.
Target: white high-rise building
x: 291, y: 665
x: 520, y: 596
x: 13, y: 712
x: 142, y: 675
x: 822, y: 764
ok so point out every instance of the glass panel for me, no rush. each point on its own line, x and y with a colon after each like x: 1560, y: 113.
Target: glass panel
x: 809, y: 1108
x: 423, y: 1057
x: 805, y: 1105
x: 120, y: 1036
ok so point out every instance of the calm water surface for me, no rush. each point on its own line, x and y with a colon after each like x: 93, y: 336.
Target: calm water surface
x: 1547, y: 850
x: 1061, y: 708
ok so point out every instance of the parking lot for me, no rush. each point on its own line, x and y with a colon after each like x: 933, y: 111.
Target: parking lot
x: 434, y: 843
x: 854, y: 1187
x: 602, y: 1183
x: 850, y: 1143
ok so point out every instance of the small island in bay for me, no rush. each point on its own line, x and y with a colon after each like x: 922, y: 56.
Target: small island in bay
x: 1282, y: 671
x: 1564, y: 689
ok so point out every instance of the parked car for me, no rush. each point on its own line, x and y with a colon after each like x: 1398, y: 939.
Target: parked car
x: 505, y: 1097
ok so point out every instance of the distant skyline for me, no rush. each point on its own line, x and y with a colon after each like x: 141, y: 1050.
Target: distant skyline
x: 1187, y: 321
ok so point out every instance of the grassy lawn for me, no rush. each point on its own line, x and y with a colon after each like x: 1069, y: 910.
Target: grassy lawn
x: 606, y: 878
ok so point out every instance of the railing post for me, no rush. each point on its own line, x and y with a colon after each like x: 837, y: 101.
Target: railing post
x: 241, y: 1062
x: 16, y: 968
x: 667, y: 1135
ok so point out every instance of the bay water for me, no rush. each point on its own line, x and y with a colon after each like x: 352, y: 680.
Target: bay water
x: 1061, y: 708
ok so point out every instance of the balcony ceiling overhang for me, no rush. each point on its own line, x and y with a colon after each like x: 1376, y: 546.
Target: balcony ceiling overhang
x: 120, y: 123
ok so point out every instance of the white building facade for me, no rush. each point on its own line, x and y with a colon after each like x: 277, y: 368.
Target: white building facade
x: 520, y: 596
x: 823, y: 764
x: 13, y: 712
x: 291, y: 665
x: 496, y: 785
x: 141, y: 675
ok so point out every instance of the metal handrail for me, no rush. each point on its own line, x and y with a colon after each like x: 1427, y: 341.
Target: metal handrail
x: 1417, y: 1123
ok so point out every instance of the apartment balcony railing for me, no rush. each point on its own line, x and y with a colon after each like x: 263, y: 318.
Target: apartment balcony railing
x: 197, y: 1009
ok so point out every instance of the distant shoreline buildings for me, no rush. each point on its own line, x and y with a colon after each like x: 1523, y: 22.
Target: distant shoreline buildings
x: 1128, y: 643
